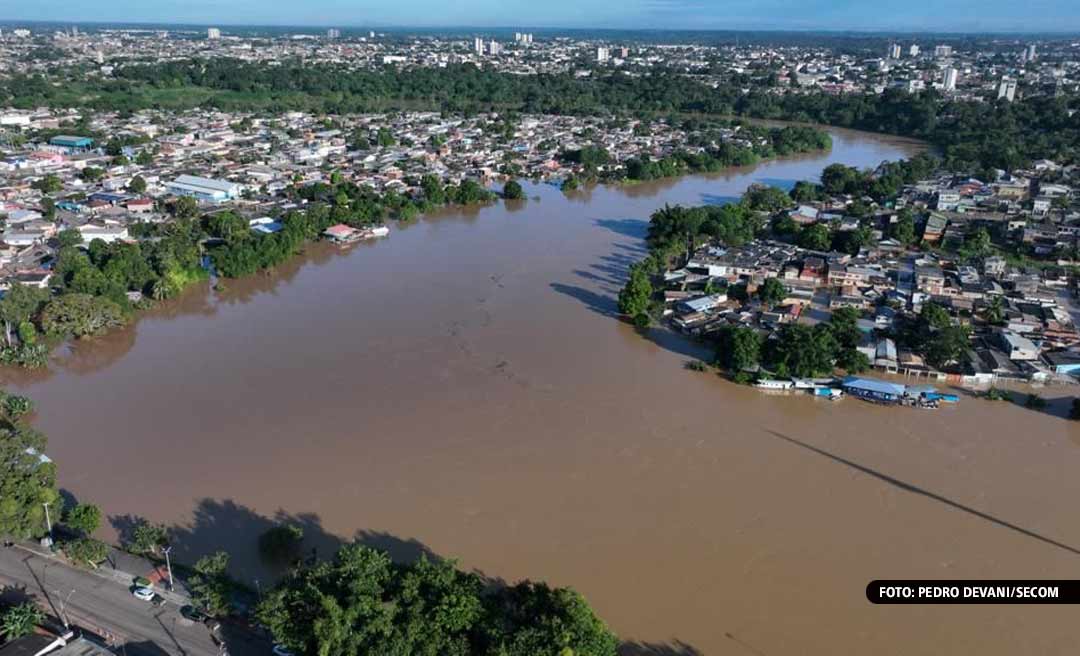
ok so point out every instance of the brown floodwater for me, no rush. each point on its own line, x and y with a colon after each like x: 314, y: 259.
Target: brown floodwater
x: 463, y: 388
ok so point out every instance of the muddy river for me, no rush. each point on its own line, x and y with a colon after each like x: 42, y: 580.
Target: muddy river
x: 462, y: 388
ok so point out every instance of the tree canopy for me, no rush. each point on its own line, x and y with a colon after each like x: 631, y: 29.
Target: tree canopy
x: 361, y: 603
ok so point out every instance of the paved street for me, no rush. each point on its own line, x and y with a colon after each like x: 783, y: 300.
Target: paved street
x: 108, y: 608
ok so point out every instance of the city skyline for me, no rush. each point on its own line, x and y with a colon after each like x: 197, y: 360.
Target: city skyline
x: 781, y: 15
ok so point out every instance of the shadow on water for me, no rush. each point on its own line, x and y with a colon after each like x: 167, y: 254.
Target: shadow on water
x: 636, y: 228
x: 674, y: 648
x: 669, y: 340
x: 713, y: 199
x: 224, y: 525
x: 600, y: 303
x: 786, y: 184
x: 908, y: 487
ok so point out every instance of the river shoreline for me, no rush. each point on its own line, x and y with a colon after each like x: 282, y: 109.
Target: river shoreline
x: 461, y: 390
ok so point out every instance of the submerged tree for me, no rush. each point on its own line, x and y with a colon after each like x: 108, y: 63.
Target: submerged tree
x: 635, y: 297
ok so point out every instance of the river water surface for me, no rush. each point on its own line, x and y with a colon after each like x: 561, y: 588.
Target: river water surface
x: 463, y: 388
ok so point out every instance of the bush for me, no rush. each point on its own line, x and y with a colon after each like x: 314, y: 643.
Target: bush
x: 19, y: 621
x: 86, y: 551
x: 694, y: 365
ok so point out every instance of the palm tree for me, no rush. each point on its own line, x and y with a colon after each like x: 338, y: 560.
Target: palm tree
x: 20, y: 620
x: 995, y: 310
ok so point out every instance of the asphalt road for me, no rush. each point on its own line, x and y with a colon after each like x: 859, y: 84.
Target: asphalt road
x: 108, y: 609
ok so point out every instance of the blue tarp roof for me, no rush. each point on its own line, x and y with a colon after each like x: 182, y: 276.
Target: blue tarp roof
x: 268, y: 228
x: 874, y: 385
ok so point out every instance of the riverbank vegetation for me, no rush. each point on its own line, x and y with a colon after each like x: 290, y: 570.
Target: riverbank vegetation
x: 363, y: 602
x: 99, y: 286
x: 972, y: 136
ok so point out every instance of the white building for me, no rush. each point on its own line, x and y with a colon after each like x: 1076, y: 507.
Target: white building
x: 602, y: 54
x: 1018, y: 347
x: 478, y: 46
x: 204, y: 188
x: 1007, y: 89
x: 213, y: 33
x: 951, y: 77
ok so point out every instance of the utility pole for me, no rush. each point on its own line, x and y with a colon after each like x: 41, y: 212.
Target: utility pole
x: 168, y: 564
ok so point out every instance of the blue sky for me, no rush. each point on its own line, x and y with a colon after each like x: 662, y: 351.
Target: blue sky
x: 940, y: 16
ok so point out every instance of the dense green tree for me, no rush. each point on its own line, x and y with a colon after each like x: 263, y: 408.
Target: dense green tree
x: 845, y: 327
x: 903, y: 230
x: 512, y: 190
x: 362, y: 602
x: 281, y: 544
x: 805, y: 192
x: 137, y: 185
x: 68, y: 237
x: 92, y: 173
x: 839, y: 179
x: 27, y: 480
x: 21, y: 303
x: 933, y: 316
x: 385, y: 138
x: 815, y: 238
x: 852, y: 360
x: 80, y: 315
x: 771, y: 292
x: 84, y: 518
x: 738, y: 348
x: 185, y: 207
x: 800, y: 350
x: 977, y: 244
x: 48, y: 184
x: 210, y: 584
x: 947, y: 345
x: 146, y: 538
x: 766, y: 198
x: 636, y: 295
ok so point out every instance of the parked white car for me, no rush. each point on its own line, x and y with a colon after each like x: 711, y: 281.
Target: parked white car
x: 146, y: 594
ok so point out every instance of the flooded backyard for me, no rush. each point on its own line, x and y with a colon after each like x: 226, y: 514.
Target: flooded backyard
x: 463, y: 388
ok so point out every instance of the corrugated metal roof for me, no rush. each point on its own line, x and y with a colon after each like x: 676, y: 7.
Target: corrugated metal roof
x: 874, y: 385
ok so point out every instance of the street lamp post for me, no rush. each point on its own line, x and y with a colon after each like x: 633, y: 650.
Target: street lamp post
x: 48, y: 522
x: 168, y: 564
x: 63, y: 604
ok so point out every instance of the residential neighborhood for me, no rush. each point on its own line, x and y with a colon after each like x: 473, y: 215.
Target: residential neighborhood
x: 987, y: 252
